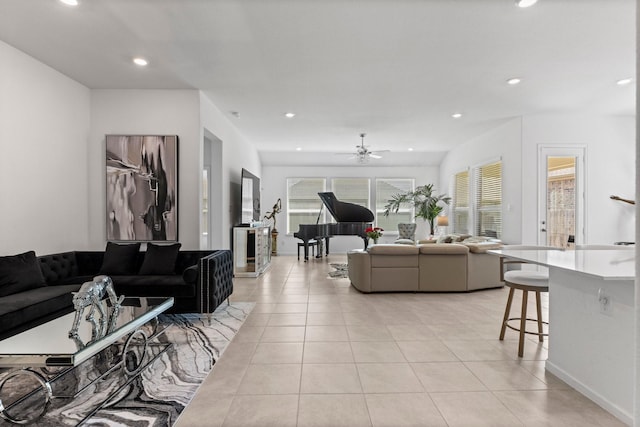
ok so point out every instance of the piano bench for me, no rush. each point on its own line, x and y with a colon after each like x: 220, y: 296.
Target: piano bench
x: 313, y: 244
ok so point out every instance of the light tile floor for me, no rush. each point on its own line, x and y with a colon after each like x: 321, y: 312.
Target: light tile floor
x: 316, y: 352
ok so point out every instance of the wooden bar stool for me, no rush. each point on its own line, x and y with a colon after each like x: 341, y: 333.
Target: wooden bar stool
x: 526, y: 281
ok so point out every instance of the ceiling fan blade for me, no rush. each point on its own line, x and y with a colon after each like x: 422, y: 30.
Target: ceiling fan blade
x: 380, y: 151
x: 374, y: 156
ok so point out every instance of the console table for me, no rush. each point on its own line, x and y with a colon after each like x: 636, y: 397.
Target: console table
x: 49, y: 345
x: 591, y: 322
x: 251, y: 251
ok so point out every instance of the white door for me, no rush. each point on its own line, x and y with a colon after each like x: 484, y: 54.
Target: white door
x: 561, y: 216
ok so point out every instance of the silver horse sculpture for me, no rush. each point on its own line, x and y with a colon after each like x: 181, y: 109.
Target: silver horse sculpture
x: 90, y: 295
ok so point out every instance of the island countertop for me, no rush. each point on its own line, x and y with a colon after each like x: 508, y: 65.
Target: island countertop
x: 607, y: 264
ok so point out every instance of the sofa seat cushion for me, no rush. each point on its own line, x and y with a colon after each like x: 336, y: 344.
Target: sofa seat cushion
x: 153, y: 286
x: 24, y: 307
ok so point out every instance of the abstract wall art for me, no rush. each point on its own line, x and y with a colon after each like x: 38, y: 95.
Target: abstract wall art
x: 142, y: 187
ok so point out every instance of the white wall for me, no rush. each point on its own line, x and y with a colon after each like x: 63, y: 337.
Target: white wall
x: 190, y: 115
x: 237, y: 153
x: 274, y: 186
x: 44, y: 128
x: 502, y: 142
x: 154, y: 112
x: 610, y: 168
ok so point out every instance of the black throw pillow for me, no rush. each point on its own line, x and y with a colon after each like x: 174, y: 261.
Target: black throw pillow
x: 160, y: 259
x: 120, y: 260
x: 20, y: 273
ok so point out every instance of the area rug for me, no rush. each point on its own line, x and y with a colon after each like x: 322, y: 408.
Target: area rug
x: 341, y: 271
x: 160, y: 393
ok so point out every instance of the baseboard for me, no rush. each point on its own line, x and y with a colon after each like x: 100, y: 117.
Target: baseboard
x: 610, y: 407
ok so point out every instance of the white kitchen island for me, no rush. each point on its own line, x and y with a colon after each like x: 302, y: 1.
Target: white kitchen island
x: 591, y: 322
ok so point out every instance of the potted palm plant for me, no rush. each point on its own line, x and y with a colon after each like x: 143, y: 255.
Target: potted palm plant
x: 427, y: 204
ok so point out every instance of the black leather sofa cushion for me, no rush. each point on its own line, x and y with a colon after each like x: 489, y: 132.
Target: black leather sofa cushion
x: 20, y: 309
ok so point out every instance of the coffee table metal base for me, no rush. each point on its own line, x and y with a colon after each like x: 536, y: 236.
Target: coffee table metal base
x: 130, y: 364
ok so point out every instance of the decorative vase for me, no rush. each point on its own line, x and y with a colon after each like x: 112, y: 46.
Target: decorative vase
x: 375, y: 241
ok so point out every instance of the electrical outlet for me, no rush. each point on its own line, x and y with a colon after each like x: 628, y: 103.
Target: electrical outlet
x: 605, y: 301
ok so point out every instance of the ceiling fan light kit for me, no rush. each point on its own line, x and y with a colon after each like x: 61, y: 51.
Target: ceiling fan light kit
x: 363, y: 154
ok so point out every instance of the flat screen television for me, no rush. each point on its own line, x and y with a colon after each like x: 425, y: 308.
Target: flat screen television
x: 250, y: 198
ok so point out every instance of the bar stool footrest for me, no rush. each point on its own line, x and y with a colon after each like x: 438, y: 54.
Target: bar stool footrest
x: 546, y: 334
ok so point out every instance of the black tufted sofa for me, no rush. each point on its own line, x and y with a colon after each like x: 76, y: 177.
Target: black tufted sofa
x: 202, y: 280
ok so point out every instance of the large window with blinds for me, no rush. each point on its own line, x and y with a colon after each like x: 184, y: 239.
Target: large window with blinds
x: 385, y: 188
x: 460, y: 205
x: 303, y: 203
x: 352, y: 190
x: 488, y: 200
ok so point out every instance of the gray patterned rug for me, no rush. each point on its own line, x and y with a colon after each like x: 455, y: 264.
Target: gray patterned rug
x: 160, y: 393
x: 341, y: 271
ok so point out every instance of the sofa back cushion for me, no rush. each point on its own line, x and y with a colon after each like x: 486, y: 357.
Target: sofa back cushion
x: 57, y: 268
x: 120, y: 259
x: 160, y: 259
x: 20, y: 273
x: 393, y: 256
x: 443, y: 249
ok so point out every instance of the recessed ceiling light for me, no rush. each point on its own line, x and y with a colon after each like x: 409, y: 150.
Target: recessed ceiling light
x: 514, y: 81
x: 290, y: 115
x: 525, y: 3
x: 70, y: 2
x: 299, y: 149
x: 624, y: 82
x: 140, y: 61
x: 410, y: 149
x: 456, y: 115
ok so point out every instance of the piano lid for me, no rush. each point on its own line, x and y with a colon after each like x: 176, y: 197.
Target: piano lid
x: 345, y: 211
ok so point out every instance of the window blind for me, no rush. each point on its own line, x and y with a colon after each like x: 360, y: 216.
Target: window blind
x: 303, y: 202
x: 351, y: 190
x: 461, y: 203
x: 385, y: 188
x: 488, y: 218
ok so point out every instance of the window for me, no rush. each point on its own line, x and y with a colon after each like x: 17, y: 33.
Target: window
x: 488, y: 200
x: 351, y: 190
x: 303, y: 202
x: 461, y: 203
x: 385, y: 188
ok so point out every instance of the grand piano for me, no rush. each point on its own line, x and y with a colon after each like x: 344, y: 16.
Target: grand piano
x: 352, y: 220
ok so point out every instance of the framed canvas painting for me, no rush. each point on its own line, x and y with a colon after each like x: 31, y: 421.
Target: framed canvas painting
x: 142, y: 188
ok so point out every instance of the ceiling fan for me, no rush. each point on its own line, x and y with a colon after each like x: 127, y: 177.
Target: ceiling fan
x: 363, y: 154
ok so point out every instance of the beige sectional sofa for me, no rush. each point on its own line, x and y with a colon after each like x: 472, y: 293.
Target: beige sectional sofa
x: 434, y: 267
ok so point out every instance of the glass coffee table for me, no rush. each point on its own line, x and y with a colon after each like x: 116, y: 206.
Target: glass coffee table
x: 43, y: 355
